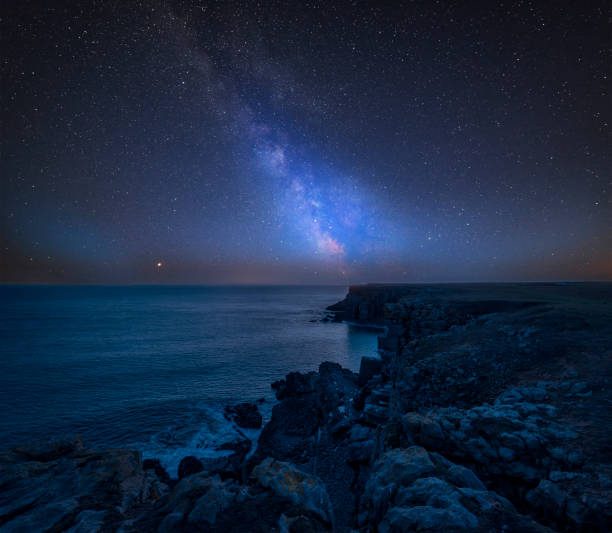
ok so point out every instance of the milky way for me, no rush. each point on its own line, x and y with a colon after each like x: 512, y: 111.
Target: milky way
x: 237, y: 142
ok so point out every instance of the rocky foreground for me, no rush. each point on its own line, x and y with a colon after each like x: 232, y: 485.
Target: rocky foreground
x: 489, y: 410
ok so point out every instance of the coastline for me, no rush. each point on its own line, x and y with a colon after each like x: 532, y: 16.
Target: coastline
x: 488, y: 408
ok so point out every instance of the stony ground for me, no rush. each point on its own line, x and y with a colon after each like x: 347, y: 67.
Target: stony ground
x: 488, y: 411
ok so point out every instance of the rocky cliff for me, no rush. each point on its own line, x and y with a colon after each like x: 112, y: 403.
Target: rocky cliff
x: 488, y: 411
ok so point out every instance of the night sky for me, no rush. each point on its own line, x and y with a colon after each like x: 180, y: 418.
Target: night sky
x: 306, y: 142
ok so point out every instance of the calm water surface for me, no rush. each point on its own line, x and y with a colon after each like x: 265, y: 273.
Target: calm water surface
x: 152, y: 367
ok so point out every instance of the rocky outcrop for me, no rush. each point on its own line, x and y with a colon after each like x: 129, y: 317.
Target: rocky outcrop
x: 315, y: 411
x: 300, y: 488
x: 277, y: 497
x: 366, y: 303
x: 517, y: 444
x: 457, y: 378
x: 62, y: 486
x: 412, y: 490
x: 245, y: 415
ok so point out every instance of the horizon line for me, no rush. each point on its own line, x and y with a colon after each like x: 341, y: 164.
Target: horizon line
x: 365, y: 283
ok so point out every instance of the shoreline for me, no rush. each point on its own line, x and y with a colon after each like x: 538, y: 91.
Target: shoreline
x: 488, y: 407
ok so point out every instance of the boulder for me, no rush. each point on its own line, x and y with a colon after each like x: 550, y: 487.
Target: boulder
x: 401, y: 466
x: 218, y: 497
x: 294, y: 384
x: 188, y: 466
x: 300, y: 488
x: 245, y: 415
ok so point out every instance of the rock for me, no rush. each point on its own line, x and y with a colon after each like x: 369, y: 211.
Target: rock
x: 219, y: 495
x: 50, y: 450
x: 226, y: 466
x: 361, y: 451
x: 160, y: 471
x: 341, y: 428
x: 61, y: 485
x: 409, y: 490
x: 240, y: 447
x: 300, y: 488
x: 188, y: 466
x: 425, y: 517
x: 401, y: 466
x: 480, y: 450
x: 310, y: 428
x: 374, y: 414
x: 359, y: 432
x: 245, y: 415
x: 547, y: 498
x: 579, y: 387
x: 431, y: 433
x: 309, y: 402
x: 196, y: 500
x: 521, y: 472
x: 88, y: 521
x: 505, y: 454
x: 291, y: 431
x: 429, y: 491
x: 294, y: 384
x: 464, y: 477
x: 369, y: 367
x: 394, y: 469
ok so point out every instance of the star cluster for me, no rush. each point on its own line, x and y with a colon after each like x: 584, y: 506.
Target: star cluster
x: 307, y: 142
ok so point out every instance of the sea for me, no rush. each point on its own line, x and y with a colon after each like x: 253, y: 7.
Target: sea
x: 151, y: 367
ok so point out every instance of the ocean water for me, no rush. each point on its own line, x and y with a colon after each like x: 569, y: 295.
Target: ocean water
x: 152, y: 367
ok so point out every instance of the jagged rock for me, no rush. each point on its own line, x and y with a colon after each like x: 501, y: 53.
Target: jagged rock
x: 293, y: 385
x: 240, y: 447
x: 63, y: 485
x: 341, y: 428
x: 409, y: 490
x: 246, y: 415
x: 308, y: 402
x: 547, y: 497
x: 310, y: 428
x: 512, y: 436
x: 160, y: 471
x: 287, y: 481
x: 188, y: 466
x: 360, y: 433
x: 368, y: 368
x: 196, y: 499
x: 219, y: 495
x: 361, y: 452
x: 277, y: 496
x: 580, y: 499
